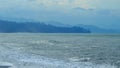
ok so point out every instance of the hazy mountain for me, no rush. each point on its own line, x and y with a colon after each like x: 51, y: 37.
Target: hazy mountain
x: 92, y: 28
x: 95, y: 29
x: 37, y: 27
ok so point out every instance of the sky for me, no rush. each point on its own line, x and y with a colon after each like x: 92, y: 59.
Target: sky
x: 102, y: 13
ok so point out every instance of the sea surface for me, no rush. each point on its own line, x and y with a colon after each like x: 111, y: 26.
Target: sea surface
x: 56, y: 50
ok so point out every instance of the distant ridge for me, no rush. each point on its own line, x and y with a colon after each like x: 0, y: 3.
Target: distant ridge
x: 96, y: 29
x: 37, y: 27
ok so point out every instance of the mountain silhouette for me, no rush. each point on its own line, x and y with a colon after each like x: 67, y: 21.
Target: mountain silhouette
x: 37, y: 27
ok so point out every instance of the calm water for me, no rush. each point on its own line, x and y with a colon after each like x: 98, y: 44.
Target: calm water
x: 60, y: 50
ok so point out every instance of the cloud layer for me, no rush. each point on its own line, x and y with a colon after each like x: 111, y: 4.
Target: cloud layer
x: 113, y: 4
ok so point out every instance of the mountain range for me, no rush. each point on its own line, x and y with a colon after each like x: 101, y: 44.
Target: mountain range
x: 10, y: 26
x: 96, y: 29
x: 92, y: 28
x: 37, y: 27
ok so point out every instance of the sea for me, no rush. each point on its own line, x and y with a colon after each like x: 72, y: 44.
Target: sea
x: 59, y: 50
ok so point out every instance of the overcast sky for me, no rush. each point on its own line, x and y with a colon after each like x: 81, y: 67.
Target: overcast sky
x: 103, y: 13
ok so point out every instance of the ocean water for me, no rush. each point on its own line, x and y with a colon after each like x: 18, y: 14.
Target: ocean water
x: 45, y: 50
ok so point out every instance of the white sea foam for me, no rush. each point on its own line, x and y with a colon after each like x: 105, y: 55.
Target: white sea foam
x: 42, y: 42
x: 54, y: 63
x: 44, y: 62
x: 61, y: 64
